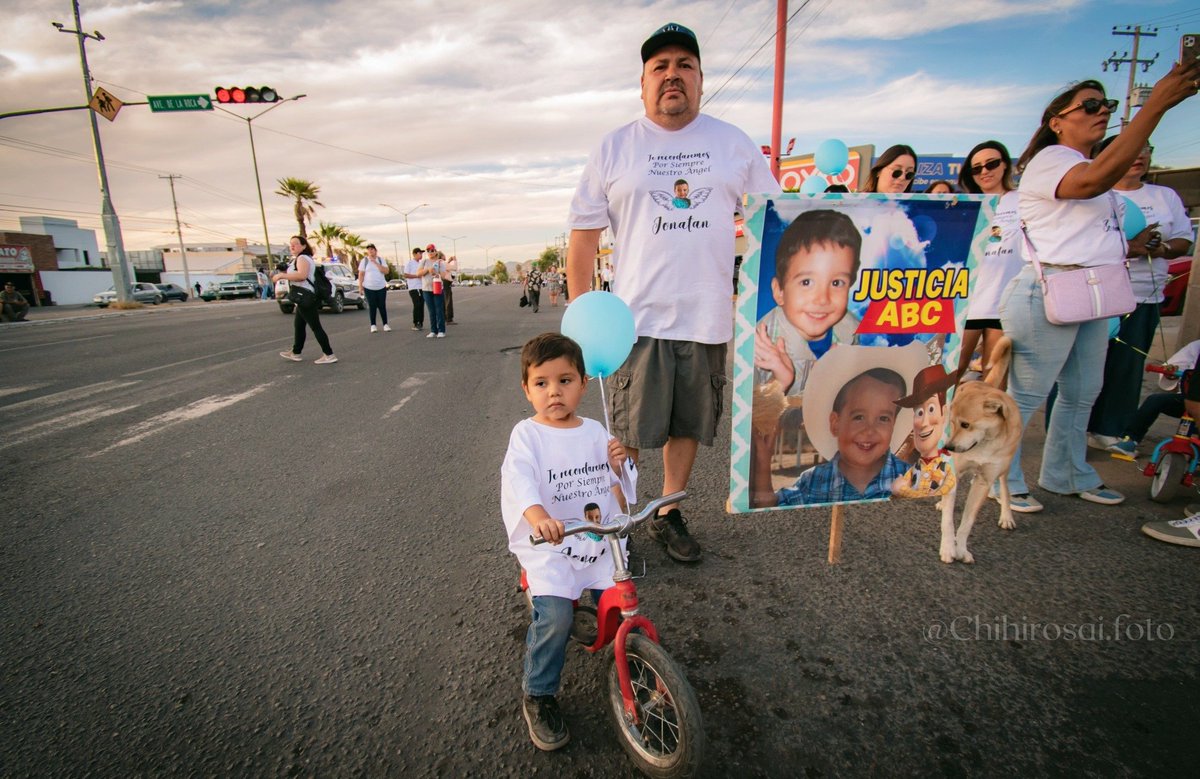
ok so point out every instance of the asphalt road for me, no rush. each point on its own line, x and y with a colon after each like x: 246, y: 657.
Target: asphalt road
x: 214, y: 562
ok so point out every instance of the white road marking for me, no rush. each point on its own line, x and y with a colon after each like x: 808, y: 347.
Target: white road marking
x: 410, y: 383
x: 18, y: 390
x: 68, y: 396
x: 53, y: 343
x: 60, y: 423
x: 188, y: 413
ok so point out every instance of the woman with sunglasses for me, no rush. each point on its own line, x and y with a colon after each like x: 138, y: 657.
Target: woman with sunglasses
x: 988, y: 171
x: 893, y: 172
x: 1168, y: 235
x: 1068, y: 216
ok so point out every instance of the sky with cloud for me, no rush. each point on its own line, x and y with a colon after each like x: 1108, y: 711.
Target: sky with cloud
x: 486, y: 112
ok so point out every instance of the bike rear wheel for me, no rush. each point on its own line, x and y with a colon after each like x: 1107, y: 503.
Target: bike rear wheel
x: 1167, y: 477
x: 668, y: 738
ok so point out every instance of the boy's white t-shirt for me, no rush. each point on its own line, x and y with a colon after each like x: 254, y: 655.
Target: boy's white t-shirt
x: 1001, y: 261
x: 561, y: 469
x: 673, y: 260
x: 1159, y: 205
x: 1067, y: 232
x: 412, y: 266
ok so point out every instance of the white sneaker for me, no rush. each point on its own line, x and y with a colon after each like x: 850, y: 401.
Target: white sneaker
x: 432, y: 335
x: 1102, y: 442
x: 291, y: 356
x: 374, y: 329
x: 387, y: 329
x: 441, y: 335
x: 326, y: 360
x: 1185, y: 532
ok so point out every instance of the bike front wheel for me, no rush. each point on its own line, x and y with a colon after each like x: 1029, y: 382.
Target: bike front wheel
x: 1167, y: 477
x: 667, y: 740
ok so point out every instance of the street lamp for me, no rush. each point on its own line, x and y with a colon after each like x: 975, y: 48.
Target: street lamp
x: 405, y: 214
x: 487, y: 254
x: 453, y: 239
x: 254, y: 156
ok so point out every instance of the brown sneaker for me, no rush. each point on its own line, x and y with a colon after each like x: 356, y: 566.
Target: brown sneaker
x: 670, y: 529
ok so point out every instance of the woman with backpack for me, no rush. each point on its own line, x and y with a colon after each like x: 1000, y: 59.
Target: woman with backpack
x: 302, y: 293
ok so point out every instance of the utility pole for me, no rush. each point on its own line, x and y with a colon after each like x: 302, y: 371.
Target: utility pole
x: 781, y: 9
x: 187, y: 277
x: 122, y: 281
x: 1116, y: 62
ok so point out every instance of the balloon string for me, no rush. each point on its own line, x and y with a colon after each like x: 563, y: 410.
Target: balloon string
x: 604, y: 405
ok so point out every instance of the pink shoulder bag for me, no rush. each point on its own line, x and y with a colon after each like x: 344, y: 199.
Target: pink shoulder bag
x: 1081, y: 295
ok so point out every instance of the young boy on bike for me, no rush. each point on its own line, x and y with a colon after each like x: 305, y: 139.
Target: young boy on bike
x: 557, y: 464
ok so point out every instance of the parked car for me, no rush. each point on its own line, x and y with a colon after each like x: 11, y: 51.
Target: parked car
x: 345, y: 289
x: 1178, y: 271
x: 243, y: 285
x: 142, y: 292
x: 173, y: 292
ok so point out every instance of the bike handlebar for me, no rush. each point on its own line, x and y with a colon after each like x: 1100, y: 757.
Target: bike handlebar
x: 1166, y: 369
x: 621, y: 524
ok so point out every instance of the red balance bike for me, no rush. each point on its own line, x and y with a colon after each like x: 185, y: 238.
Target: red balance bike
x: 1173, y: 463
x: 654, y: 707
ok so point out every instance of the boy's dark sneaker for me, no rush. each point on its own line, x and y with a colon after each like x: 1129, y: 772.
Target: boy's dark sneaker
x: 670, y: 529
x: 547, y: 729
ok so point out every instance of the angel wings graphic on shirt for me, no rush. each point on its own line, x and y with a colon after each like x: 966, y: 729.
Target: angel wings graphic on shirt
x: 670, y: 202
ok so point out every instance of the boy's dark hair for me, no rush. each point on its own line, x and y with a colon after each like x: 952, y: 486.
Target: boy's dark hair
x: 822, y: 226
x: 550, y: 346
x: 678, y: 182
x: 590, y: 507
x: 884, y: 375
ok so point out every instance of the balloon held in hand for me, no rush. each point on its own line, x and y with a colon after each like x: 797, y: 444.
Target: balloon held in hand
x: 602, y: 325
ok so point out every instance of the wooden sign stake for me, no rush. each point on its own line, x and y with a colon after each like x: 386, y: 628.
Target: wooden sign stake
x: 835, y: 534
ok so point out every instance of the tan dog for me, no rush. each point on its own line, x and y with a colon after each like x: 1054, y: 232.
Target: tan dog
x: 985, y: 430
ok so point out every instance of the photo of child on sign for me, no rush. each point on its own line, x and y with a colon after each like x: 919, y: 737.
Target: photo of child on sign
x: 849, y: 313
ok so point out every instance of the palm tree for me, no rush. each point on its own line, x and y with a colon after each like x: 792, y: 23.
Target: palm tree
x: 352, y: 245
x: 326, y: 233
x: 305, y: 194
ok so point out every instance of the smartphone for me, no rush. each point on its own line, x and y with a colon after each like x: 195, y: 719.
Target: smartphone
x: 1189, y: 47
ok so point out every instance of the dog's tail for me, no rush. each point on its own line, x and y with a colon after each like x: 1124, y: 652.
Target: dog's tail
x: 999, y: 362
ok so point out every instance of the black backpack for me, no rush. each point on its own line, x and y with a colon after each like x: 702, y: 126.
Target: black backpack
x: 322, y: 285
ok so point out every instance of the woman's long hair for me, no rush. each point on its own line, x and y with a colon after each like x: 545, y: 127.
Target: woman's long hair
x: 885, y: 159
x: 966, y: 181
x: 304, y: 243
x: 1044, y: 136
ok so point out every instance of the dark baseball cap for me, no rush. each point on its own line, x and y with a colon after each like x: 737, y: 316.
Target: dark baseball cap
x: 670, y: 34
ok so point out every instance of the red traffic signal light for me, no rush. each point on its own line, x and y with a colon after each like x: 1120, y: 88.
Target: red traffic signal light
x: 247, y: 95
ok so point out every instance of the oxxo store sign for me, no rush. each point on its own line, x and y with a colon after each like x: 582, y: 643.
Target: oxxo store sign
x: 15, y: 258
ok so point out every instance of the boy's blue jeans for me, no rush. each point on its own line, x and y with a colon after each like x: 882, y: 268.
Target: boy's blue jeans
x: 1043, y: 353
x: 546, y: 642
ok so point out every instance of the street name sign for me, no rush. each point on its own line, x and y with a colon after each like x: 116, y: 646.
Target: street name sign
x: 180, y: 102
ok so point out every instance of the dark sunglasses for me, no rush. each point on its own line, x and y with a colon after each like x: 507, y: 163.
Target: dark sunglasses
x: 1092, y: 106
x: 989, y: 165
x: 897, y: 173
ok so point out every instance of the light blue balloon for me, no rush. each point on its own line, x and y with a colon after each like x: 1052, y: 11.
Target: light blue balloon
x: 814, y: 185
x: 602, y: 325
x: 831, y: 157
x: 1135, y: 220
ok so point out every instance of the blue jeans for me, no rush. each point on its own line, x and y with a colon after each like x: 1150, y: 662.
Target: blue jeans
x: 437, y: 312
x: 546, y: 642
x: 1043, y: 354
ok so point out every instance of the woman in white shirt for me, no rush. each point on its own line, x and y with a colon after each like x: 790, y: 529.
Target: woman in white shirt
x: 1168, y: 234
x: 1068, y: 214
x: 372, y: 284
x: 988, y: 171
x: 300, y: 273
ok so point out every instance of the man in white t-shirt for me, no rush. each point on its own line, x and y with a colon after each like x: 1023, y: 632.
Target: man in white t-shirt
x: 672, y: 261
x: 414, y: 289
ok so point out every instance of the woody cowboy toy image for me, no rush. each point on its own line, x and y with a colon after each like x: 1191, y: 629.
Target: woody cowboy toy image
x: 932, y: 474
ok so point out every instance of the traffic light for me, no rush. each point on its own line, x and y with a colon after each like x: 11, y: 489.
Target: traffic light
x: 247, y: 95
